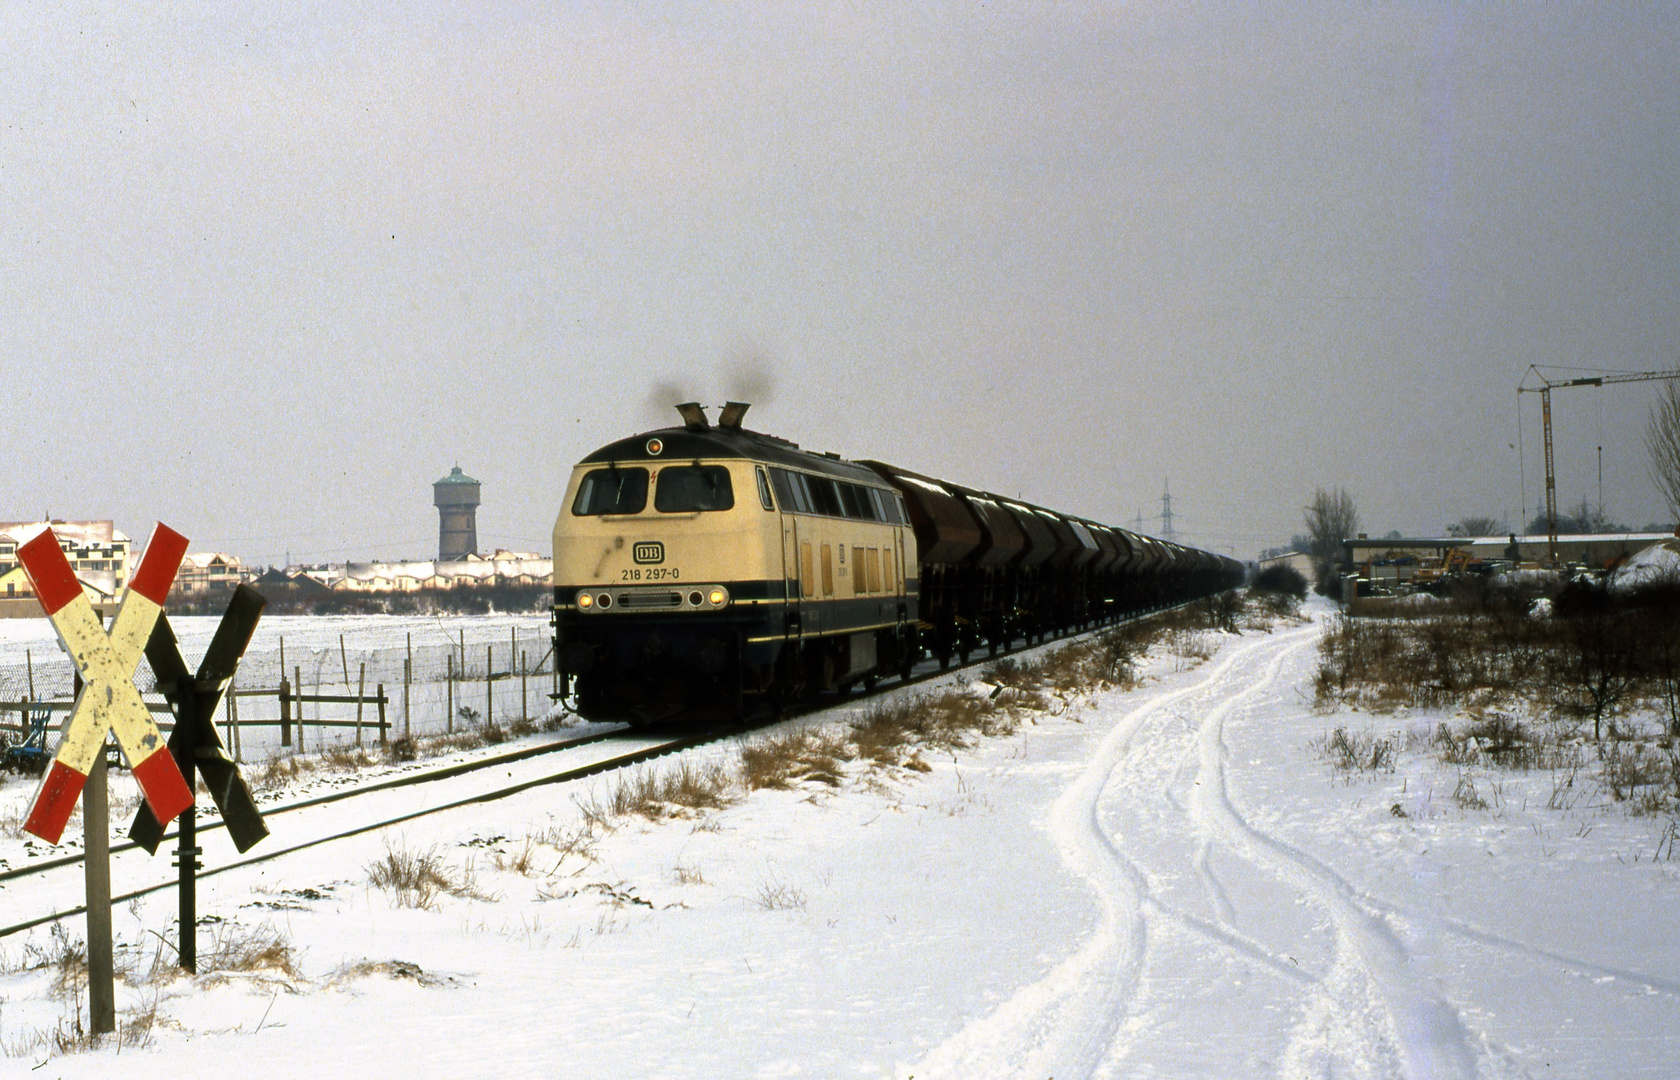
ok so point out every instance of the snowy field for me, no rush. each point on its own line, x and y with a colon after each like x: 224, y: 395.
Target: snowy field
x: 1168, y: 881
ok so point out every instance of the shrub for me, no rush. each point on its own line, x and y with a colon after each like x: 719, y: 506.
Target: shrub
x: 1281, y: 580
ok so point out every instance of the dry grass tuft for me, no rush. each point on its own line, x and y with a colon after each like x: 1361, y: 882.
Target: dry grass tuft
x: 774, y: 897
x: 417, y: 878
x: 655, y: 793
x: 784, y: 759
x: 235, y: 949
x: 1358, y: 751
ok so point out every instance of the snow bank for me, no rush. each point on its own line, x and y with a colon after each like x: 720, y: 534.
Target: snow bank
x: 1658, y: 563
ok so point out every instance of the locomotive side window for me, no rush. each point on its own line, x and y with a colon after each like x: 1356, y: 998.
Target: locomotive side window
x: 849, y: 505
x: 611, y: 491
x: 684, y: 489
x: 785, y: 494
x: 825, y: 499
x: 764, y: 489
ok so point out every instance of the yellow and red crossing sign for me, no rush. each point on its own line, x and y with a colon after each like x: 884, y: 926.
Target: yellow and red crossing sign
x: 109, y: 701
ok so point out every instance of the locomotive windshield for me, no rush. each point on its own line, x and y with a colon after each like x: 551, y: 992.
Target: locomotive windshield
x: 612, y: 491
x: 684, y: 489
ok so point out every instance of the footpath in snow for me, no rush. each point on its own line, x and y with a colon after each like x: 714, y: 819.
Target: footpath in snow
x: 1166, y: 881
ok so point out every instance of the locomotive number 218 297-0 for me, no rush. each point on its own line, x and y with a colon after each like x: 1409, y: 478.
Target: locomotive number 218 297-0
x: 650, y: 573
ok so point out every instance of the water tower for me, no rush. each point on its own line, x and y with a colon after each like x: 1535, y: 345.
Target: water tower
x: 456, y: 499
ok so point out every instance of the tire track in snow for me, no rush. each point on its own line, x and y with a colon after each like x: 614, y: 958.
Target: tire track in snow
x: 1064, y: 1025
x: 1373, y: 970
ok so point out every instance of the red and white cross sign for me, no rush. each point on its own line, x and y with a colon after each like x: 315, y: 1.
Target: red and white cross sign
x: 109, y: 700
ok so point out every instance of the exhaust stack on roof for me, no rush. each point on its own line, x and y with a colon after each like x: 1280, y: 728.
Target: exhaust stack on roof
x: 733, y: 413
x: 694, y: 415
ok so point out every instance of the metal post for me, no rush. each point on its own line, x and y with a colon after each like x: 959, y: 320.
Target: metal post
x: 285, y: 711
x: 233, y: 722
x: 344, y: 658
x: 29, y: 662
x: 489, y: 692
x: 382, y: 714
x: 361, y: 688
x: 186, y: 857
x: 1551, y: 479
x: 449, y: 682
x: 96, y: 866
x: 297, y: 680
x: 524, y: 690
x: 408, y: 678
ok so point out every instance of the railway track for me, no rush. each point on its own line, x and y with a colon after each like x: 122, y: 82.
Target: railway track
x: 422, y: 793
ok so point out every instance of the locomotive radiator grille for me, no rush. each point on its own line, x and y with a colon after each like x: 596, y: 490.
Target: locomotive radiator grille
x: 644, y: 599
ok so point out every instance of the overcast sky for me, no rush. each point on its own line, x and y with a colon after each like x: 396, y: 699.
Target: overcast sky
x: 267, y: 276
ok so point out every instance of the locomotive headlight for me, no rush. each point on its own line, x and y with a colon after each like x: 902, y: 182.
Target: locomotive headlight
x: 605, y: 600
x: 585, y: 601
x: 717, y: 597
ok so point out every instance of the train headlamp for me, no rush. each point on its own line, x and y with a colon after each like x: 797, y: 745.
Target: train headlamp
x: 716, y: 596
x: 585, y: 601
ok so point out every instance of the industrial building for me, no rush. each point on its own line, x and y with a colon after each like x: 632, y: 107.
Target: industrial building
x: 1398, y: 559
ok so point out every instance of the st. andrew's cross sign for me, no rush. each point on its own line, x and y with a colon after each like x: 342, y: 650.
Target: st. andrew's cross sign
x: 109, y: 700
x: 194, y: 742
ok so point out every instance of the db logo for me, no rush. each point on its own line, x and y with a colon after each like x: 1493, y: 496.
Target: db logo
x: 648, y: 552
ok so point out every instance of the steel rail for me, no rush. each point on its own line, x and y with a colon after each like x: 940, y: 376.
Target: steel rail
x: 579, y: 772
x: 419, y: 777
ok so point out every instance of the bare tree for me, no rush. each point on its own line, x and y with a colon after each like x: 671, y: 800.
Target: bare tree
x: 1662, y: 443
x: 1331, y: 518
x: 1472, y: 527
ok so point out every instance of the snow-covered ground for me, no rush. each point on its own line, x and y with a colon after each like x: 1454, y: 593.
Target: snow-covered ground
x: 1168, y: 881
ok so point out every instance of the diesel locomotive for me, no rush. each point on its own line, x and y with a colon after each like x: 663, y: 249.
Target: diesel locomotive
x: 703, y: 570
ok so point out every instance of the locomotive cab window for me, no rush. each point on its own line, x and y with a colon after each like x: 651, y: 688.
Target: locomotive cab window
x: 685, y: 489
x: 764, y: 489
x: 611, y: 491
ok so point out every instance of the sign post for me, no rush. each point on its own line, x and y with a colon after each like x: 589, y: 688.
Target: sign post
x: 107, y: 701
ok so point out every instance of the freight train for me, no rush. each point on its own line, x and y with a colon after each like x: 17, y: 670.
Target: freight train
x: 703, y: 571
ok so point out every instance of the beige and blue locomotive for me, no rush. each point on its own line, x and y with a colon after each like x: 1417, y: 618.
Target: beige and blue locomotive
x: 701, y: 569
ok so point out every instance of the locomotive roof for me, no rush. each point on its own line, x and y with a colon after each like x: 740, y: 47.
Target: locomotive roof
x: 682, y: 443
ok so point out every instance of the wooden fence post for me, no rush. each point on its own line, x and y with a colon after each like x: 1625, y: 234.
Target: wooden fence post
x: 382, y: 714
x: 489, y: 693
x: 524, y: 689
x: 285, y: 711
x: 408, y: 678
x: 297, y: 679
x: 449, y: 682
x: 361, y: 687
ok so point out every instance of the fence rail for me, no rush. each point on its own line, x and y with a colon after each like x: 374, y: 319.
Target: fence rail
x: 284, y: 694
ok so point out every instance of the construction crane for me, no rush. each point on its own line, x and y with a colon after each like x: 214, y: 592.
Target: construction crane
x: 1544, y: 389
